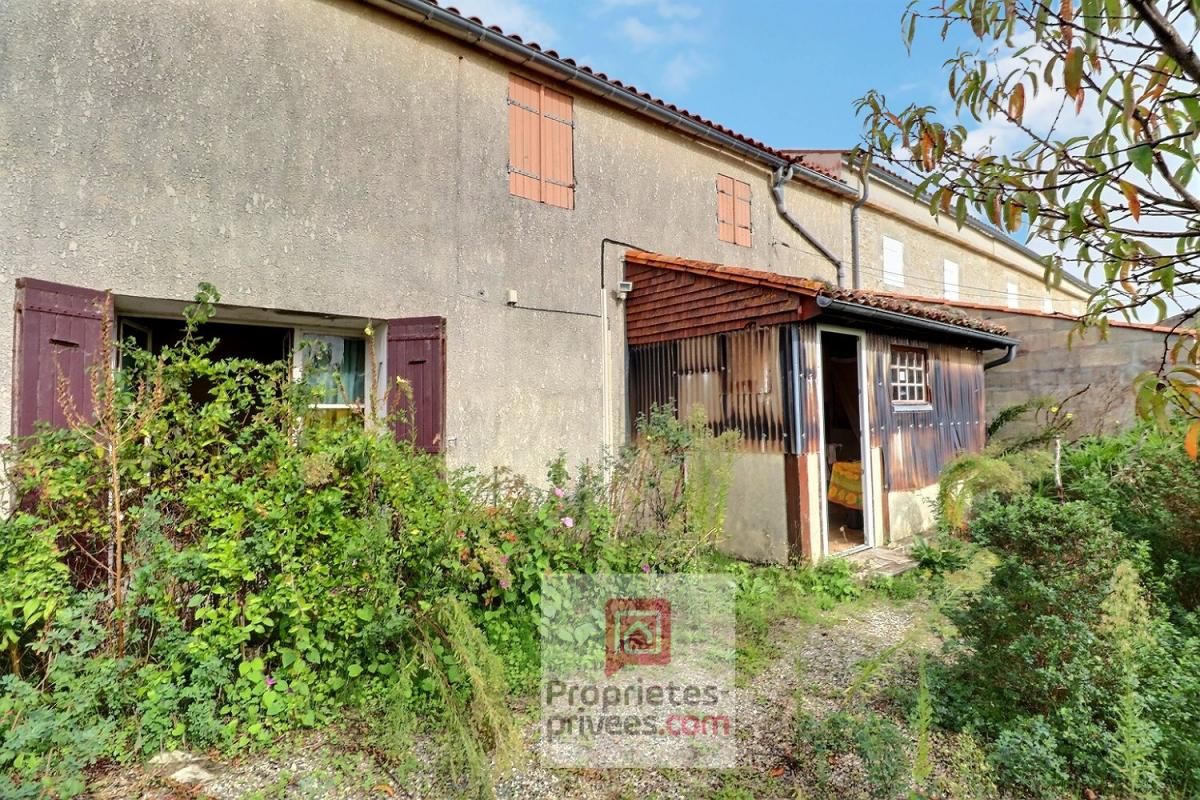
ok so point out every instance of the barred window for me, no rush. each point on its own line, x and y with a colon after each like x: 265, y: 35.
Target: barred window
x: 909, y: 376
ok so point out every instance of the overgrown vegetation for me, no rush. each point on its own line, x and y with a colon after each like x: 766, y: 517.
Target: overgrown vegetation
x: 209, y: 564
x: 1077, y: 663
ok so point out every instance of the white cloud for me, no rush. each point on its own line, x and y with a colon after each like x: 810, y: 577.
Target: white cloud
x: 682, y: 69
x: 639, y: 33
x: 642, y: 35
x: 513, y: 16
x: 666, y: 9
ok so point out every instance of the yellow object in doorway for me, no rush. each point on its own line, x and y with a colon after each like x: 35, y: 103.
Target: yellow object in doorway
x: 845, y: 484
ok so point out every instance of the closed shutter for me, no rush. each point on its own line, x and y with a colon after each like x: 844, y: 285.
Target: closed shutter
x: 558, y: 156
x: 893, y: 262
x: 58, y: 330
x: 524, y: 138
x: 725, y: 226
x: 416, y: 354
x: 741, y: 213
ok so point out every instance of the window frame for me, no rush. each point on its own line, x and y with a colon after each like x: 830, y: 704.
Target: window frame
x: 924, y: 403
x: 300, y: 335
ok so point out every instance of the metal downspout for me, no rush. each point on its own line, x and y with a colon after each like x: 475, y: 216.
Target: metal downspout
x: 782, y: 176
x: 855, y: 259
x: 1008, y: 356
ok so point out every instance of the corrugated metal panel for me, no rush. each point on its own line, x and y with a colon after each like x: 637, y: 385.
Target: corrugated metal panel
x: 808, y: 409
x: 558, y: 167
x: 667, y: 305
x: 524, y: 138
x: 737, y: 378
x: 416, y: 353
x: 741, y: 213
x: 58, y: 330
x: 725, y: 212
x: 916, y: 444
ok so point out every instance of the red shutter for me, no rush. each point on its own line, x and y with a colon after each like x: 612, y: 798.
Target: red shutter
x: 416, y: 353
x: 57, y: 334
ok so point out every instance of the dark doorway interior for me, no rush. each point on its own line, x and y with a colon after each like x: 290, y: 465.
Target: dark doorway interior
x: 843, y: 442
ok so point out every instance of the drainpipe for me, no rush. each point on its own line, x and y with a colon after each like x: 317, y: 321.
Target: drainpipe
x: 782, y: 176
x: 1009, y: 354
x: 855, y: 262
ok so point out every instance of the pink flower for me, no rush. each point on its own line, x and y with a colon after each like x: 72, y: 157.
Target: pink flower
x: 503, y: 558
x: 505, y: 583
x: 461, y: 534
x: 568, y: 522
x: 645, y: 567
x: 270, y: 681
x: 558, y: 492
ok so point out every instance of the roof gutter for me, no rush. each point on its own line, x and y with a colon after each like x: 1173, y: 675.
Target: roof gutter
x: 783, y: 175
x: 481, y: 35
x: 859, y: 311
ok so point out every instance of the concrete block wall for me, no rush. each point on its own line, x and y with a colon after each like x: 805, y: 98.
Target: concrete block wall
x: 1047, y: 365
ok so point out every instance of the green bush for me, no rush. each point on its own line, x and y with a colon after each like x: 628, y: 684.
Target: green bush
x: 1147, y: 485
x: 1067, y: 663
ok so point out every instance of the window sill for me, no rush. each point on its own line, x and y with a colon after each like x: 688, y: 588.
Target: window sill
x: 905, y: 407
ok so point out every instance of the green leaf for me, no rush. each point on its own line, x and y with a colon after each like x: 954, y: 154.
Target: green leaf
x: 1142, y: 158
x: 354, y: 671
x: 366, y: 613
x: 1073, y: 71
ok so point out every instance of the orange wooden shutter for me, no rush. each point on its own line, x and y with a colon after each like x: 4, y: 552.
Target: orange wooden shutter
x: 558, y: 164
x: 524, y: 138
x: 741, y: 213
x: 725, y: 228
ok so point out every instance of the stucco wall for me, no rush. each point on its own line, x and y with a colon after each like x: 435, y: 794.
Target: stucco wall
x: 911, y: 513
x: 324, y: 156
x: 756, y: 517
x: 320, y: 155
x: 985, y: 265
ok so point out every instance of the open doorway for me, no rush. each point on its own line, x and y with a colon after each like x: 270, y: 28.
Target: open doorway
x: 842, y: 446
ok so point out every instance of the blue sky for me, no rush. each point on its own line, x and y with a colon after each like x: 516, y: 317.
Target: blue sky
x: 784, y: 72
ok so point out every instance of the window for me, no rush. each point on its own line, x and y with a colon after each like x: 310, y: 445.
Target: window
x: 950, y: 279
x: 335, y: 366
x: 908, y: 376
x: 541, y: 133
x: 893, y: 262
x: 733, y: 211
x: 1014, y: 299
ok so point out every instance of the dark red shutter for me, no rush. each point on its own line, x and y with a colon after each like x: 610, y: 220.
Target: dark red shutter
x: 416, y: 353
x: 58, y: 339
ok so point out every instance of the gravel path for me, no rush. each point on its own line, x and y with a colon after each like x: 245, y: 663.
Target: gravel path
x: 813, y: 666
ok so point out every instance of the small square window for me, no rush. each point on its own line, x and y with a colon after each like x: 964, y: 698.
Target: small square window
x: 908, y: 376
x: 336, y: 368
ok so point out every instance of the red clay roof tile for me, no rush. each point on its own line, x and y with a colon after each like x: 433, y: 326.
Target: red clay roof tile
x: 755, y: 143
